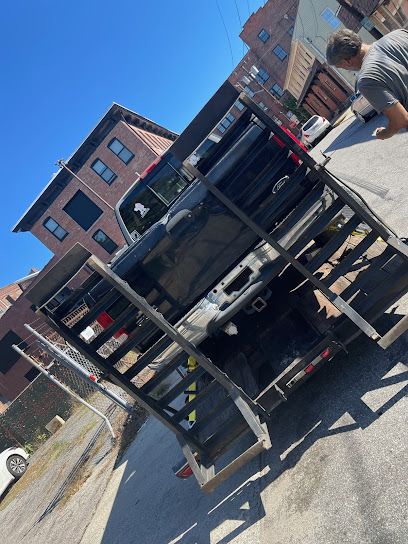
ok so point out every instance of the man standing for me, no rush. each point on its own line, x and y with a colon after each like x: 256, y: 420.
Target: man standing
x: 383, y: 76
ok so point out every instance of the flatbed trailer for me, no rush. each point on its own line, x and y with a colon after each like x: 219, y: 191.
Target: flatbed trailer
x: 333, y: 290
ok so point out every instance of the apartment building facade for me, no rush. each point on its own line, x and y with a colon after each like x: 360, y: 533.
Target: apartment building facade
x: 320, y: 89
x: 77, y: 205
x: 384, y: 15
x: 14, y: 312
x: 268, y: 36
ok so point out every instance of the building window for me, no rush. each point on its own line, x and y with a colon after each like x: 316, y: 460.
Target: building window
x: 226, y: 122
x: 9, y: 357
x: 59, y: 298
x: 32, y: 374
x: 82, y: 210
x: 280, y: 52
x: 291, y: 30
x: 55, y: 228
x: 121, y: 151
x: 104, y: 241
x: 103, y: 171
x: 330, y: 18
x: 264, y: 35
x: 239, y: 105
x: 262, y: 106
x: 262, y: 76
x: 277, y: 90
x: 249, y: 91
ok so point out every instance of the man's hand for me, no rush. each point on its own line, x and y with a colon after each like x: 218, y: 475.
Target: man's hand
x: 381, y: 133
x: 397, y: 116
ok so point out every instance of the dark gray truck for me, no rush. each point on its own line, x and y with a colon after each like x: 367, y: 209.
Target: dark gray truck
x: 248, y: 267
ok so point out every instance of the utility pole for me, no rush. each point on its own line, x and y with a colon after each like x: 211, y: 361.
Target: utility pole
x: 375, y: 33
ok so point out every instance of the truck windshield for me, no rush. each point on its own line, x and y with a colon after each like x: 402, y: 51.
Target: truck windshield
x: 151, y: 198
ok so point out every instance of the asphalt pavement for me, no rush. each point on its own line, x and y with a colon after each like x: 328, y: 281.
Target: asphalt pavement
x: 336, y: 472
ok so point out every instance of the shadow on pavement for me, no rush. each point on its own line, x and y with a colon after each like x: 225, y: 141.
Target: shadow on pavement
x: 152, y: 506
x: 355, y: 133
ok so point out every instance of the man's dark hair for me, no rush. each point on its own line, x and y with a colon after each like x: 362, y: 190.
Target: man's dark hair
x: 343, y: 45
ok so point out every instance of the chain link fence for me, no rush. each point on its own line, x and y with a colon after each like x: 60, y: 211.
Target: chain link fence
x: 66, y: 367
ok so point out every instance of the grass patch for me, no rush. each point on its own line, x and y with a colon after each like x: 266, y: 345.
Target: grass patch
x: 83, y: 473
x: 75, y: 485
x: 86, y: 429
x: 130, y: 428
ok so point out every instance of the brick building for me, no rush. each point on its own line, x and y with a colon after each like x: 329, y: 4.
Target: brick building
x: 78, y: 207
x: 383, y: 15
x: 14, y: 377
x: 10, y: 293
x: 268, y: 35
x: 320, y: 89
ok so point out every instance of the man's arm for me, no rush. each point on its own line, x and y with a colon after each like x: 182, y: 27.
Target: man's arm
x: 397, y: 117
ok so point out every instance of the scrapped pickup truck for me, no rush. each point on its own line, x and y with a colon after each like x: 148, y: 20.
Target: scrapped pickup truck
x: 248, y: 266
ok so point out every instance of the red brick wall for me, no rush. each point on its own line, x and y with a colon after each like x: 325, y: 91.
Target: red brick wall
x: 271, y: 17
x: 13, y: 381
x: 126, y: 175
x: 274, y: 107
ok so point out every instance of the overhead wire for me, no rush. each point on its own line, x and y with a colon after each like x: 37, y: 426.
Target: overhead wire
x: 240, y: 26
x: 226, y: 32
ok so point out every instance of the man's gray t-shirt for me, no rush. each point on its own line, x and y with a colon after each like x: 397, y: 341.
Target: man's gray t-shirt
x: 383, y: 78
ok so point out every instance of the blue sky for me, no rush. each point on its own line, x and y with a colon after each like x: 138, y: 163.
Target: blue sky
x: 64, y: 63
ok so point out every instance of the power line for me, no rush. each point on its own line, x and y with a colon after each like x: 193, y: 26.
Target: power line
x: 240, y: 26
x: 249, y: 9
x: 226, y: 32
x: 239, y: 16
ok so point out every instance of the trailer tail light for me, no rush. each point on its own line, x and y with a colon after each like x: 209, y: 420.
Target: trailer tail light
x: 185, y: 472
x: 326, y: 354
x: 150, y: 167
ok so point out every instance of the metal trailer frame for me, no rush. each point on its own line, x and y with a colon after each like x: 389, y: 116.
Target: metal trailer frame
x: 201, y: 452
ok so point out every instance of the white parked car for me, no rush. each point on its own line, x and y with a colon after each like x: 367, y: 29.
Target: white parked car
x: 314, y: 129
x: 13, y: 464
x: 362, y: 108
